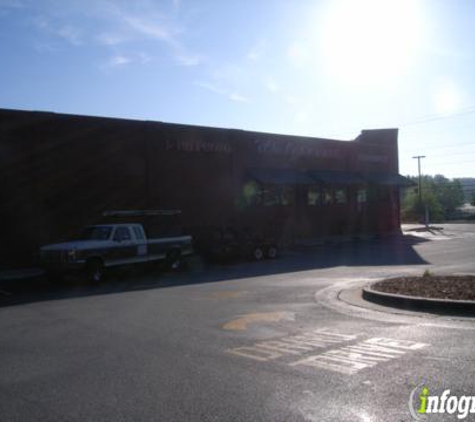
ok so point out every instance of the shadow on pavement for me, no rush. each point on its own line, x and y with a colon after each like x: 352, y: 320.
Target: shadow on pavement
x: 396, y: 250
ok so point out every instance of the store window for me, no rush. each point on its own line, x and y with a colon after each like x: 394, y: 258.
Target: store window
x: 341, y: 196
x: 314, y: 196
x: 271, y: 196
x: 327, y: 196
x: 362, y: 196
x: 252, y: 194
x: 287, y: 195
x: 278, y: 195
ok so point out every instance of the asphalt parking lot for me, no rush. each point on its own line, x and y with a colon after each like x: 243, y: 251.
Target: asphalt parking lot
x: 269, y: 341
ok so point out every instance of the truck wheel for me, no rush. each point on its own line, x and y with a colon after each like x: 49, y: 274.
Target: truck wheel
x: 173, y: 260
x: 271, y: 252
x: 258, y: 253
x: 95, y: 271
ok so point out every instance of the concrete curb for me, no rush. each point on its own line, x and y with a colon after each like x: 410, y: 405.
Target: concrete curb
x: 417, y: 303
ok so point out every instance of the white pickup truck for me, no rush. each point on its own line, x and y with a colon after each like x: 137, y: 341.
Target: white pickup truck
x: 112, y: 245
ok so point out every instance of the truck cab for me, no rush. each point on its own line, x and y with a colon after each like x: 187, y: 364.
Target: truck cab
x: 112, y: 245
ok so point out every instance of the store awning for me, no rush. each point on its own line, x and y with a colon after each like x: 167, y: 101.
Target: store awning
x: 388, y: 179
x: 280, y: 176
x: 336, y: 177
x: 271, y: 176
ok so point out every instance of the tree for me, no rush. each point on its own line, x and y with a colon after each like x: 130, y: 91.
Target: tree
x: 440, y: 194
x: 449, y: 193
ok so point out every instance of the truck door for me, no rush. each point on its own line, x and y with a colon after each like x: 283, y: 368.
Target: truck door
x: 141, y: 241
x: 125, y: 244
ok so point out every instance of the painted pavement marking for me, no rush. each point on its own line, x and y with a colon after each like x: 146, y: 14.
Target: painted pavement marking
x: 292, y: 345
x: 227, y: 294
x: 366, y: 354
x: 348, y: 359
x: 240, y: 324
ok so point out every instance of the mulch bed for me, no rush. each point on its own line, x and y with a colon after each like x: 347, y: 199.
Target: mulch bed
x: 433, y: 286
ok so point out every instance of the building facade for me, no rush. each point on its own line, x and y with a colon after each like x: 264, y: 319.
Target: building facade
x: 60, y: 172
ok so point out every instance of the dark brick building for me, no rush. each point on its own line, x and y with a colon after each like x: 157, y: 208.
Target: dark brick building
x: 59, y: 172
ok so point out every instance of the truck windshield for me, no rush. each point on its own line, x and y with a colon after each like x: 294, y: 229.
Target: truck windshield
x: 96, y: 233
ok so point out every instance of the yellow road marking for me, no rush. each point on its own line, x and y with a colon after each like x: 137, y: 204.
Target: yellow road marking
x: 240, y: 324
x: 227, y: 294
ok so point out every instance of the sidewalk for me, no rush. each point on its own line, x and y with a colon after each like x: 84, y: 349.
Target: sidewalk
x: 20, y: 274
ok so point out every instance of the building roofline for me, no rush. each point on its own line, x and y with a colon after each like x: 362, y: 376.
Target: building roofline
x: 159, y: 122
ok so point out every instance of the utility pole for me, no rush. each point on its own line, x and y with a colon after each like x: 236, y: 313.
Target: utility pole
x: 418, y: 157
x: 426, y: 213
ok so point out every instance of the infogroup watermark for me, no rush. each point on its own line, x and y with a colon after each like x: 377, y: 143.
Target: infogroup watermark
x: 421, y: 403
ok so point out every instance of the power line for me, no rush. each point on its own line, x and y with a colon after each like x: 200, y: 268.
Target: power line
x: 450, y: 155
x: 451, y: 145
x: 469, y: 110
x: 451, y: 162
x: 422, y: 120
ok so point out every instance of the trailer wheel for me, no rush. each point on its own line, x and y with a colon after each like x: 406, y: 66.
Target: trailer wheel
x: 95, y: 270
x: 258, y: 253
x: 173, y: 260
x: 272, y: 252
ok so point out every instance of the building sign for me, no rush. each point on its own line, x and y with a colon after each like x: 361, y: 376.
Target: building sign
x: 198, y: 145
x: 295, y: 149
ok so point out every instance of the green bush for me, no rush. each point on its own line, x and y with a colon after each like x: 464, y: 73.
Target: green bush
x: 427, y: 274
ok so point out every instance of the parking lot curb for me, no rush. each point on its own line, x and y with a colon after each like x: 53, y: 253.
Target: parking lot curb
x: 417, y: 303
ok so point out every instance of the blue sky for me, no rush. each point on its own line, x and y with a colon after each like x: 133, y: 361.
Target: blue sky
x: 323, y: 68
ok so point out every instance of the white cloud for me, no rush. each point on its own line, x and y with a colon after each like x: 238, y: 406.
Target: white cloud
x: 257, y: 50
x: 150, y: 29
x: 70, y: 34
x: 234, y: 96
x: 41, y: 22
x: 144, y: 58
x: 154, y: 27
x: 231, y: 95
x: 43, y: 48
x: 211, y: 87
x: 67, y: 32
x: 188, y: 59
x: 122, y: 60
x: 120, y: 22
x: 119, y: 60
x: 107, y: 38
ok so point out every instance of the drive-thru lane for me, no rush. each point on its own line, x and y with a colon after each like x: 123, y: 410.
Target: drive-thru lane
x: 255, y: 341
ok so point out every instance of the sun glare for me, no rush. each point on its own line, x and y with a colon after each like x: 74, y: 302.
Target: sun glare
x: 446, y: 97
x: 370, y: 41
